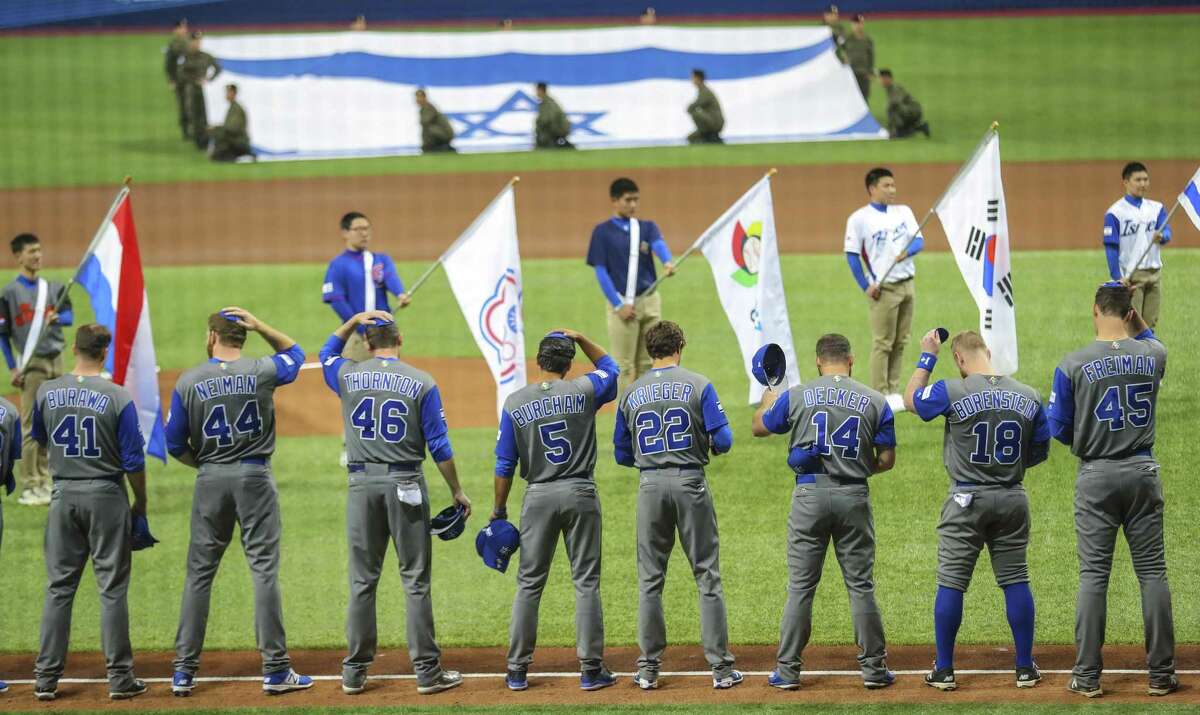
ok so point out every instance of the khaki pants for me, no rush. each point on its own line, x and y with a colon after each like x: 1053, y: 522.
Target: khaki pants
x: 891, y: 320
x: 356, y: 348
x: 1147, y: 294
x: 627, y: 338
x: 35, y: 469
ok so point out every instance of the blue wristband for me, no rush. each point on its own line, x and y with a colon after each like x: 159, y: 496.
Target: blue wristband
x: 927, y: 361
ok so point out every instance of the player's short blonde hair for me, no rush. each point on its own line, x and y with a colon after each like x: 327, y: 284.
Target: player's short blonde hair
x: 968, y: 341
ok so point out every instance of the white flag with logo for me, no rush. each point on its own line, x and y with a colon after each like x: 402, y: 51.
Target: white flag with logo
x: 484, y: 269
x: 744, y: 256
x: 974, y: 216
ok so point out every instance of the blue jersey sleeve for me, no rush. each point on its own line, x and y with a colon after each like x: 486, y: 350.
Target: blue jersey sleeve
x: 129, y: 437
x: 1161, y: 225
x: 331, y: 362
x: 856, y: 270
x: 604, y: 380
x: 932, y: 402
x: 506, y: 448
x: 916, y: 246
x: 606, y: 287
x: 38, y: 427
x: 287, y: 364
x: 885, y: 431
x: 778, y: 418
x: 623, y: 442
x: 14, y: 453
x: 714, y: 413
x: 6, y: 348
x: 661, y: 249
x: 1039, y: 443
x: 1060, y: 411
x: 433, y: 424
x: 1112, y: 254
x: 722, y: 439
x: 178, y: 429
x: 1147, y: 334
x: 1112, y: 230
x: 391, y: 277
x: 333, y: 288
x: 66, y: 318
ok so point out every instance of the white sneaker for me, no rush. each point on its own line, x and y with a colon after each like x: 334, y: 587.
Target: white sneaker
x: 896, y: 402
x: 33, y: 497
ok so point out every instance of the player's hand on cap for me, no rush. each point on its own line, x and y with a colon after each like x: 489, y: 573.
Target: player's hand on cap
x: 931, y: 342
x: 241, y: 316
x: 574, y: 335
x: 372, y: 317
x: 461, y: 498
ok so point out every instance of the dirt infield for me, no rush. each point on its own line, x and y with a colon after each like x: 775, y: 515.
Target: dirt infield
x: 697, y: 689
x: 1051, y: 205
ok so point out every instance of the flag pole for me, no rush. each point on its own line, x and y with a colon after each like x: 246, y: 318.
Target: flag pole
x: 461, y: 237
x: 992, y: 130
x: 1154, y: 240
x: 127, y: 185
x: 701, y: 241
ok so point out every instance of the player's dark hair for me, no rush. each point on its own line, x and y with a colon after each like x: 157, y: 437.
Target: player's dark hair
x: 664, y: 339
x: 885, y: 73
x: 555, y: 354
x: 22, y: 240
x: 1114, y: 300
x: 874, y: 175
x: 833, y: 348
x: 968, y: 341
x: 541, y: 86
x: 421, y: 91
x: 620, y: 187
x: 698, y: 74
x: 1132, y: 168
x: 348, y: 219
x: 92, y: 340
x: 229, y: 333
x: 232, y: 86
x: 382, y: 336
x: 180, y: 22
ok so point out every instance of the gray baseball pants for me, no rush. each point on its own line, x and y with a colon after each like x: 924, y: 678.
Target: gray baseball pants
x: 570, y: 508
x: 996, y: 517
x: 88, y: 519
x: 821, y: 512
x: 227, y: 495
x: 1112, y: 495
x: 670, y: 500
x: 375, y: 516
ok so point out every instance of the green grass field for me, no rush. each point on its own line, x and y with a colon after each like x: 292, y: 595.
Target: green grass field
x: 88, y: 109
x: 751, y: 486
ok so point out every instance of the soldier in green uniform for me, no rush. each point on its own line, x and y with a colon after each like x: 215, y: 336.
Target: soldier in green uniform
x: 705, y: 112
x: 833, y: 21
x: 860, y: 55
x: 436, y: 131
x: 231, y: 139
x: 551, y: 127
x: 173, y: 55
x: 197, y: 69
x: 904, y: 112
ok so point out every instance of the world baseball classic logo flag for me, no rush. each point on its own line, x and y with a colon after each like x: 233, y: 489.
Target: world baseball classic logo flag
x: 974, y: 216
x: 111, y: 274
x: 742, y: 251
x: 484, y: 269
x: 339, y: 94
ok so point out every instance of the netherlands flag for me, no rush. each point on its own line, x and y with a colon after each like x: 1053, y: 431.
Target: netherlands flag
x: 112, y: 276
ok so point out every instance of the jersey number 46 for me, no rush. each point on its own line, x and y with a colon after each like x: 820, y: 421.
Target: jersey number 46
x: 386, y: 423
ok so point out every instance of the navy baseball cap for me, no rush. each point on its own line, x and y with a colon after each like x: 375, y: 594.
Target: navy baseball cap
x: 769, y: 365
x: 496, y: 543
x: 449, y: 523
x: 229, y: 316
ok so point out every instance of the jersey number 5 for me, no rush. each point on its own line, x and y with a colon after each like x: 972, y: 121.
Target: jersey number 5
x: 388, y: 423
x: 557, y: 447
x: 248, y: 422
x: 73, y: 432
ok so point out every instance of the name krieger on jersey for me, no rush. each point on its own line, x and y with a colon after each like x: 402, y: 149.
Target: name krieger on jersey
x: 226, y: 385
x: 385, y: 381
x: 836, y: 397
x: 547, y: 407
x: 77, y: 397
x: 658, y: 391
x: 1114, y: 365
x: 967, y: 406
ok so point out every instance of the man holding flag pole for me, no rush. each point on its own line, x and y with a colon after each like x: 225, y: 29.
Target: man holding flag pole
x: 1135, y: 227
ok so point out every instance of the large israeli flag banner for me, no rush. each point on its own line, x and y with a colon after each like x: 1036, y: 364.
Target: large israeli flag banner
x: 351, y: 93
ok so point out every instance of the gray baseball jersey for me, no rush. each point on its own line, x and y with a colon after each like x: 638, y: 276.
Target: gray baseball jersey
x: 1106, y: 393
x: 550, y: 427
x: 995, y: 427
x: 89, y: 427
x: 224, y: 412
x: 10, y: 443
x: 665, y: 418
x: 835, y: 423
x: 17, y: 304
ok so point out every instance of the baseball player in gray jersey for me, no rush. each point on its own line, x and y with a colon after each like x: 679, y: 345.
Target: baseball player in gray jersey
x: 223, y: 423
x: 392, y: 412
x: 10, y: 452
x: 995, y: 430
x: 549, y: 428
x: 677, y: 418
x: 841, y: 432
x: 90, y: 429
x: 1102, y: 404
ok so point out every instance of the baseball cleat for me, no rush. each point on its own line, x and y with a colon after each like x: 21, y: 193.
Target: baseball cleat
x: 45, y: 695
x: 182, y: 684
x: 775, y: 680
x: 285, y: 681
x: 886, y: 681
x: 135, y: 689
x: 728, y: 681
x: 598, y: 680
x: 1087, y: 691
x: 646, y: 682
x: 516, y: 680
x: 446, y: 680
x: 1028, y: 677
x: 353, y: 682
x: 1165, y: 686
x: 941, y: 678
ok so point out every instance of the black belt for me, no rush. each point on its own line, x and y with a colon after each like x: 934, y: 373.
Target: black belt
x: 812, y: 479
x: 355, y: 467
x: 102, y: 477
x: 984, y: 486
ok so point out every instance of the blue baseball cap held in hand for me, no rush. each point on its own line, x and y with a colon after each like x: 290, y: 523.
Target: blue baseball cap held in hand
x: 449, y: 523
x: 496, y: 543
x: 769, y: 365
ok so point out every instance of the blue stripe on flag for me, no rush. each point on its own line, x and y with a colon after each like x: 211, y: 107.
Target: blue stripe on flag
x: 156, y: 445
x: 100, y: 292
x: 1192, y: 196
x: 565, y: 70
